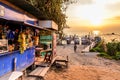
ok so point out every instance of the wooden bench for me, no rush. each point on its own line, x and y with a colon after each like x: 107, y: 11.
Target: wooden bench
x: 39, y: 72
x: 36, y: 72
x: 12, y: 76
x: 63, y: 60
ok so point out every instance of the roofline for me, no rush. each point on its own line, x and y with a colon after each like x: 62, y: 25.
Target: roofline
x: 16, y: 8
x: 25, y: 5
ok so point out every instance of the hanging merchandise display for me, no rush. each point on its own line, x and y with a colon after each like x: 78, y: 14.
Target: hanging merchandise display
x: 17, y: 29
x: 3, y: 45
x: 24, y: 37
x: 36, y: 40
x: 22, y: 41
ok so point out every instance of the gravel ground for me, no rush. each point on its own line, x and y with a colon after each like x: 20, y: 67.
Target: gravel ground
x: 84, y: 66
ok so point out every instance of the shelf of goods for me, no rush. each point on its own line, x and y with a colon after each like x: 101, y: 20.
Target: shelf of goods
x: 46, y: 40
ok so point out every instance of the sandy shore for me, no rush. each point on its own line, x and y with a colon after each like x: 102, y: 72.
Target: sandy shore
x: 84, y: 66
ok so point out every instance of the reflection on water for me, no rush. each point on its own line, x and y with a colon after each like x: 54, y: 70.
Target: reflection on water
x: 109, y: 38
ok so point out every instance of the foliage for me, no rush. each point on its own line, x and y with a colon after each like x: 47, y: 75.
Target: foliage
x: 102, y: 54
x: 92, y: 50
x: 99, y: 47
x: 105, y: 55
x: 118, y: 46
x: 53, y: 10
x: 112, y: 48
x: 117, y: 56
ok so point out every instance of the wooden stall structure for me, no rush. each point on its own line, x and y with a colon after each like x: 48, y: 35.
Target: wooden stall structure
x: 39, y: 50
x: 18, y: 30
x: 48, y: 41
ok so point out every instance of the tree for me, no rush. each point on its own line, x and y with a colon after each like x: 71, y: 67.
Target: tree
x: 53, y: 10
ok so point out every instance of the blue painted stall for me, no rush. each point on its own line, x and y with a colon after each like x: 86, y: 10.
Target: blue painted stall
x: 24, y: 60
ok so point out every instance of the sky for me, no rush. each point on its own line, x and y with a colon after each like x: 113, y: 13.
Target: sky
x: 90, y: 15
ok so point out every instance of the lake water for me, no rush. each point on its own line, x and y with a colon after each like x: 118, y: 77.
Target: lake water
x: 109, y: 38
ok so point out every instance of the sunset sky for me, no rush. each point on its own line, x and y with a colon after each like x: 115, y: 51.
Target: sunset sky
x: 89, y: 15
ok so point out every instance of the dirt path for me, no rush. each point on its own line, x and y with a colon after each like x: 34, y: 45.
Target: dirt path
x: 85, y: 66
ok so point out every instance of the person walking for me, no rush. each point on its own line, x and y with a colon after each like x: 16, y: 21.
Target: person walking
x: 75, y: 47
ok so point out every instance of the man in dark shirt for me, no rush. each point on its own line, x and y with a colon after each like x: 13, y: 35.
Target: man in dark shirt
x: 75, y: 47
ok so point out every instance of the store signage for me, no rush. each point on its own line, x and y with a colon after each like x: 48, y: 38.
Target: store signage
x: 2, y: 11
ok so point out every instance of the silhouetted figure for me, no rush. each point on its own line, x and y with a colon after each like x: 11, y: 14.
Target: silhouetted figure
x: 75, y: 47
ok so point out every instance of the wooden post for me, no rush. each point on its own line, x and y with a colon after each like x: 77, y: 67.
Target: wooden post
x: 15, y: 60
x: 53, y: 44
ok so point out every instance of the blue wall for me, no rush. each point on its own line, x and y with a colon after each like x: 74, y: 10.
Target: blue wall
x: 23, y: 60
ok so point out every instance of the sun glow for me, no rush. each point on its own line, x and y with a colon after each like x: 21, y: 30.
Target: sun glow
x: 96, y: 22
x: 103, y: 15
x: 96, y: 32
x: 94, y: 14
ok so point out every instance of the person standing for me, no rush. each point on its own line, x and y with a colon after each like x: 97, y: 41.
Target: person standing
x: 75, y: 47
x: 16, y: 43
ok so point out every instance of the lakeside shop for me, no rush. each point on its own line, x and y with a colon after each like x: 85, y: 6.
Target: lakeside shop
x: 46, y: 51
x: 22, y: 38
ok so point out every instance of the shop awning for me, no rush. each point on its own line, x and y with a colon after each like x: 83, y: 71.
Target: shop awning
x: 9, y: 13
x: 37, y: 27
